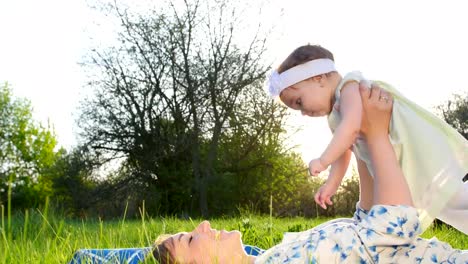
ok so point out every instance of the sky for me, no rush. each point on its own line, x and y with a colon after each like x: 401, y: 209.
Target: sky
x: 420, y: 47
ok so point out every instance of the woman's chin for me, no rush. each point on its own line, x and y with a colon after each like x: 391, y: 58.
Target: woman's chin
x: 230, y: 234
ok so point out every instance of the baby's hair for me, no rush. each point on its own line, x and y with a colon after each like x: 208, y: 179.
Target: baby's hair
x: 304, y: 54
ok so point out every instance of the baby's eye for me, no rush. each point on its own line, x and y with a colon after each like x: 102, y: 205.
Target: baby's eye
x: 190, y: 239
x: 299, y: 102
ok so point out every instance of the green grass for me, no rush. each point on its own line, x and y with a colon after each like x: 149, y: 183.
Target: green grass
x: 42, y: 237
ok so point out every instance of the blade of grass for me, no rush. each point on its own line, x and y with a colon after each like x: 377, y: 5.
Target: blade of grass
x: 25, y: 226
x: 10, y: 186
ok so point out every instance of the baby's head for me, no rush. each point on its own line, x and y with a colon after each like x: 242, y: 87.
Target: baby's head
x: 304, y: 54
x: 306, y: 80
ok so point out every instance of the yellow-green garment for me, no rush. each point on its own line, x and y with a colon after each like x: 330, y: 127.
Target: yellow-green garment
x: 432, y: 154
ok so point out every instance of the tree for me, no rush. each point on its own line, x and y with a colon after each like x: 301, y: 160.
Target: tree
x: 455, y: 112
x: 72, y: 180
x: 169, y: 91
x: 27, y: 150
x: 253, y: 158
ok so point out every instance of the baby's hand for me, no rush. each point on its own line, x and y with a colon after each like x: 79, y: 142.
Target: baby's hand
x: 315, y: 167
x: 324, y: 194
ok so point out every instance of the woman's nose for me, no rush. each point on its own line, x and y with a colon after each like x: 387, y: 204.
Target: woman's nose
x: 204, y: 226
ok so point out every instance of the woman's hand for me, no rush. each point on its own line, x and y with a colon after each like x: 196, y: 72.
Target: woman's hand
x: 377, y: 110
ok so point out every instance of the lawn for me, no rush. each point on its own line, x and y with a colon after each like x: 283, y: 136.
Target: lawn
x: 41, y: 237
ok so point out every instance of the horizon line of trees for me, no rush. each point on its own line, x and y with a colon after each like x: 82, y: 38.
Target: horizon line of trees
x: 179, y: 115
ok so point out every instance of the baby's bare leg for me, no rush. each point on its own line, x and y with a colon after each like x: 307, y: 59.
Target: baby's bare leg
x: 366, y: 186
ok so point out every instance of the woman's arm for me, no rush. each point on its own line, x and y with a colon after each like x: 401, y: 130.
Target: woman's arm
x: 366, y: 186
x: 390, y: 187
x: 348, y: 129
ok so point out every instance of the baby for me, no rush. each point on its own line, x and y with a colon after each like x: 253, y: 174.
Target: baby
x: 432, y: 155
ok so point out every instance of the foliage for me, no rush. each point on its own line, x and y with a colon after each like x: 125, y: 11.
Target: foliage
x: 455, y: 112
x: 27, y: 151
x: 72, y: 180
x: 172, y: 99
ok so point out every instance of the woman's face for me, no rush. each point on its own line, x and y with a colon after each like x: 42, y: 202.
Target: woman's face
x: 206, y: 245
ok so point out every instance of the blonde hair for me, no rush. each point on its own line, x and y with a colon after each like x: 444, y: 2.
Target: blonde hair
x: 304, y: 54
x: 161, y: 251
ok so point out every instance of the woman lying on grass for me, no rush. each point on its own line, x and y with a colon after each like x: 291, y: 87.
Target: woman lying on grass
x: 387, y: 232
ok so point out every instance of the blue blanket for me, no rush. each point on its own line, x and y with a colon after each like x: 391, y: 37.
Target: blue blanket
x: 128, y: 255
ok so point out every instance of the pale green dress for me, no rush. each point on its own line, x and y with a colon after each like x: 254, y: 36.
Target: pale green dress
x: 432, y: 154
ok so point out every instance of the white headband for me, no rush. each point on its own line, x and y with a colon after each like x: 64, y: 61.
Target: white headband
x: 278, y: 82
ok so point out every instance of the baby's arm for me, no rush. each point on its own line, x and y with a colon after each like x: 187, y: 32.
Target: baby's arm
x: 348, y: 129
x: 338, y: 169
x: 337, y: 172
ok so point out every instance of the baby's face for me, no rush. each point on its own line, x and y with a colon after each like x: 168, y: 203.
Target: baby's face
x: 312, y: 97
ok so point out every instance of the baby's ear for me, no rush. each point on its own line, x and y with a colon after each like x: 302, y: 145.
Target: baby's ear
x: 316, y: 78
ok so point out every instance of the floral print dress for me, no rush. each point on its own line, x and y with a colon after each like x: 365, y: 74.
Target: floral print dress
x: 385, y: 234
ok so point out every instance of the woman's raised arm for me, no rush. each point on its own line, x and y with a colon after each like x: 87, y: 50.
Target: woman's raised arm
x: 390, y: 187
